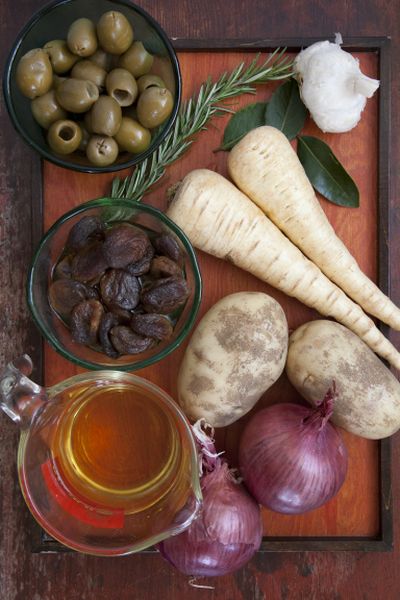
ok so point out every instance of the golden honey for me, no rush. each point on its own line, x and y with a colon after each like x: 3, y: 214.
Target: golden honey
x: 118, y: 448
x: 108, y: 464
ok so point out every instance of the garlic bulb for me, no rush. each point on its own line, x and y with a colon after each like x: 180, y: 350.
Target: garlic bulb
x: 332, y: 85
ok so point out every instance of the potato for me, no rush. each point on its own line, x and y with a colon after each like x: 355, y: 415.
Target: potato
x: 236, y: 353
x: 368, y: 402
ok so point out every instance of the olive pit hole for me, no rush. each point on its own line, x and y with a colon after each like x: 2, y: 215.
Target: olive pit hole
x: 121, y: 96
x: 66, y: 133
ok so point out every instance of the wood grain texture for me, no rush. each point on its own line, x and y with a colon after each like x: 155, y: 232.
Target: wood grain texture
x: 296, y: 576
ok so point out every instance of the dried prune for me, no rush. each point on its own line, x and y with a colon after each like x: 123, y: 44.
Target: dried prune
x: 82, y: 231
x: 63, y: 269
x: 117, y: 286
x: 127, y: 341
x: 85, y: 321
x: 155, y: 326
x: 123, y: 315
x: 168, y: 246
x: 162, y: 266
x: 142, y: 266
x: 124, y: 244
x: 120, y: 289
x: 165, y: 295
x: 89, y: 264
x: 64, y: 294
x: 91, y: 292
x: 108, y: 321
x: 139, y: 310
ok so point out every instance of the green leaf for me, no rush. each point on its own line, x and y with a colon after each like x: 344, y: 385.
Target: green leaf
x: 246, y: 119
x: 326, y: 173
x: 285, y: 110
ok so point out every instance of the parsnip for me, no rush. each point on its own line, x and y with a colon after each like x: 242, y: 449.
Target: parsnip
x: 266, y: 168
x: 222, y: 221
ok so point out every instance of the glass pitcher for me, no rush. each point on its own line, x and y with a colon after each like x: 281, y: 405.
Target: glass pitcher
x: 107, y: 462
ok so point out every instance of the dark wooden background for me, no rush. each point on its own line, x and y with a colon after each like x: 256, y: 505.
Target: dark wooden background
x: 297, y: 576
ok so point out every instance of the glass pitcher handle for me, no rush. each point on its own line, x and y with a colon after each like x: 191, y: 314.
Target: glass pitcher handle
x: 20, y: 397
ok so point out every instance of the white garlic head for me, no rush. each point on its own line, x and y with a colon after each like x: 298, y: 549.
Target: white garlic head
x: 332, y: 86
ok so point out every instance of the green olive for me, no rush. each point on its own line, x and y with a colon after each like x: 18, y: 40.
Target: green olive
x: 149, y: 80
x: 102, y: 150
x: 64, y: 136
x: 136, y: 60
x: 132, y: 137
x: 154, y: 106
x: 56, y: 81
x: 87, y: 119
x: 105, y: 116
x: 46, y: 109
x: 130, y: 111
x: 85, y: 137
x: 88, y: 70
x: 81, y: 37
x: 122, y: 86
x: 102, y: 59
x: 114, y: 32
x: 61, y: 58
x: 34, y: 74
x: 77, y: 95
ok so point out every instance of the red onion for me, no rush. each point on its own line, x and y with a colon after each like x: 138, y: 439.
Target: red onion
x: 228, y: 530
x: 291, y: 458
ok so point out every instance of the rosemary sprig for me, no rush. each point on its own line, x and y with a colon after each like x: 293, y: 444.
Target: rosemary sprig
x: 194, y: 115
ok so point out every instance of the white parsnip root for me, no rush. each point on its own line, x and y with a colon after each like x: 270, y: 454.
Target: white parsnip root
x: 222, y: 221
x: 266, y: 168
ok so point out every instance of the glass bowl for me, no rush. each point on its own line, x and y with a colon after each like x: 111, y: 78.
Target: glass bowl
x: 53, y: 328
x: 52, y: 22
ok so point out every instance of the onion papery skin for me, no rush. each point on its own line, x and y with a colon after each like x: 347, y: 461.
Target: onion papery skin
x: 291, y: 458
x: 226, y: 534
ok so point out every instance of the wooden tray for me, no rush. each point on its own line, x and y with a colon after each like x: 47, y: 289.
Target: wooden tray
x: 360, y: 517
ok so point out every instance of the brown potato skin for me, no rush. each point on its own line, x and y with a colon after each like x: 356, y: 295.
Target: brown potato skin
x: 236, y: 353
x: 368, y: 402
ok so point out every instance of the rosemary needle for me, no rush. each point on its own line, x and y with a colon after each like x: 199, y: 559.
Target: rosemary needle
x: 193, y: 117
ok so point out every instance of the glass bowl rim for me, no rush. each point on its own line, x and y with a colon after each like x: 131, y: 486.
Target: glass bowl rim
x: 155, y: 212
x: 63, y: 162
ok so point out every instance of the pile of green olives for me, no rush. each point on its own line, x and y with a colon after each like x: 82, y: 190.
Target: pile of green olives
x: 94, y: 92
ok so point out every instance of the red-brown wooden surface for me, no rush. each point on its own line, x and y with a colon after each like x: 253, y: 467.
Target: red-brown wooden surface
x: 272, y: 576
x: 355, y: 511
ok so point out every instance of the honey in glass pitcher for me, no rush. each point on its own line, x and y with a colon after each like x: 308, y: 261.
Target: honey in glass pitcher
x: 118, y: 447
x: 107, y: 461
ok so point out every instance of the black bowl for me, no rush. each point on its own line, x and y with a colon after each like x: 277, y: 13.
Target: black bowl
x: 52, y: 22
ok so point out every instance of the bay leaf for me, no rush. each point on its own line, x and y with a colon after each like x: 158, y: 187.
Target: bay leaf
x: 246, y: 119
x: 326, y: 173
x: 285, y: 110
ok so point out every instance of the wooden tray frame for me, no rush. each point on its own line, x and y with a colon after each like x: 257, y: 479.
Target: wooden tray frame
x: 383, y: 542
